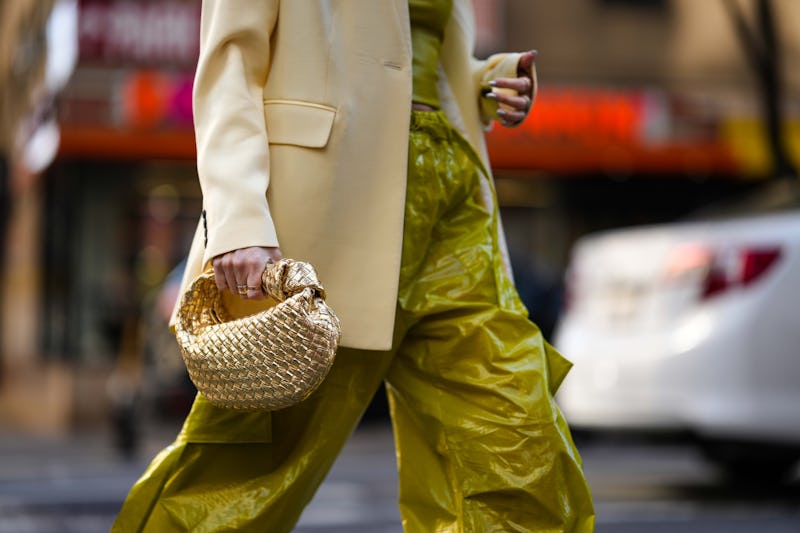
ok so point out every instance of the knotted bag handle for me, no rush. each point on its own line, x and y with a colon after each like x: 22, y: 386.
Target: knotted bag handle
x: 288, y: 277
x: 280, y: 280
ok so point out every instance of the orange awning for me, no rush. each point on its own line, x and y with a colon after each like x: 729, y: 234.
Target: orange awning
x: 110, y: 143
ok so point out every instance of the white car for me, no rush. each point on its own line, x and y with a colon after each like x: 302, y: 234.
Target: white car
x: 692, y: 327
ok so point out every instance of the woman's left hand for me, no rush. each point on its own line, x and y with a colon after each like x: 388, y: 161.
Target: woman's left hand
x: 515, y: 107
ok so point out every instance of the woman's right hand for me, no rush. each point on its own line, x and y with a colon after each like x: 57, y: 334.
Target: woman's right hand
x: 240, y: 271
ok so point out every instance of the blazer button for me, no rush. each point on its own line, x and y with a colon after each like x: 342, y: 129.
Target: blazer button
x: 205, y: 230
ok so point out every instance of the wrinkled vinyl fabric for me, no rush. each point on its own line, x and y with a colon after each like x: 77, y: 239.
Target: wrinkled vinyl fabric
x: 481, y: 444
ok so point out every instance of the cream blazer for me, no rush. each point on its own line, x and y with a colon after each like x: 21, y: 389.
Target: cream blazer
x: 301, y: 115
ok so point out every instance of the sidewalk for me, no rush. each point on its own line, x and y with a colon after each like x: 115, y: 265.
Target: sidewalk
x: 71, y: 483
x: 76, y: 483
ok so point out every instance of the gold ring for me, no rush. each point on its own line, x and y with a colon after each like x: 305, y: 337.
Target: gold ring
x: 244, y: 289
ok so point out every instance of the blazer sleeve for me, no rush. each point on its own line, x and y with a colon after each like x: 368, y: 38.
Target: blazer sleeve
x: 232, y: 148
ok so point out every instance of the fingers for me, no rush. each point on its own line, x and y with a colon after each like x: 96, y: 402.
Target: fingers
x: 253, y: 285
x: 523, y: 85
x: 275, y: 254
x: 526, y: 61
x: 515, y: 94
x: 512, y: 101
x: 514, y: 107
x: 240, y: 271
x: 511, y: 119
x: 254, y: 290
x: 224, y: 272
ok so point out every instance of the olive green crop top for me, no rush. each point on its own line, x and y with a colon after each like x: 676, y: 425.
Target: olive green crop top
x: 428, y: 21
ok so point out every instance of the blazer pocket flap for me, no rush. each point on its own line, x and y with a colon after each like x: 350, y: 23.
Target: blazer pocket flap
x: 299, y: 123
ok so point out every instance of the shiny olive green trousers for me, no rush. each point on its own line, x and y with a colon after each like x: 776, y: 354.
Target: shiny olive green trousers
x: 481, y: 446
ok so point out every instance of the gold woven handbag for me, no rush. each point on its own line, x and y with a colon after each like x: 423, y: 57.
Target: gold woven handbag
x: 265, y: 361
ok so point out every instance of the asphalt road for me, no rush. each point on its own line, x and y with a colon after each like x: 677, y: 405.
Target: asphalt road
x: 76, y: 487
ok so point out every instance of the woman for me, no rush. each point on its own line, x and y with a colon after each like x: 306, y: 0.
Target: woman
x: 313, y: 103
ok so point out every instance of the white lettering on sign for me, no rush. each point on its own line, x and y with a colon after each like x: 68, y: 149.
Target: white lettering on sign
x: 139, y: 32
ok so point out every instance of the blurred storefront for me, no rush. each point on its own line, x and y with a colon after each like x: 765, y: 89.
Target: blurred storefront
x: 646, y: 111
x: 111, y: 219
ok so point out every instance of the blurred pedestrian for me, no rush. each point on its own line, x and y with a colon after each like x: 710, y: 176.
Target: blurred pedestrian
x: 312, y: 104
x: 23, y: 55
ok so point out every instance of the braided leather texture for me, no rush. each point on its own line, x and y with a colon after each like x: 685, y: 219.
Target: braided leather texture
x: 266, y: 361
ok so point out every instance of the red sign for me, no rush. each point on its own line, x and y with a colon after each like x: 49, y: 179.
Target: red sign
x: 150, y: 99
x: 585, y: 130
x: 600, y: 116
x: 139, y: 32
